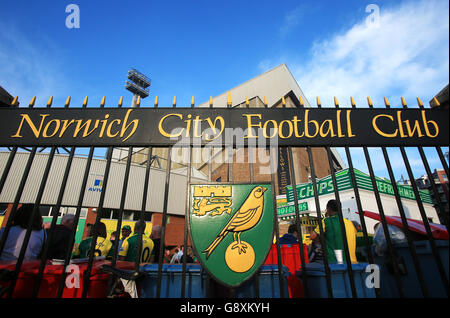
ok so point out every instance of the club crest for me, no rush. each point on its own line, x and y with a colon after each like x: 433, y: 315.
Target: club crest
x: 231, y: 228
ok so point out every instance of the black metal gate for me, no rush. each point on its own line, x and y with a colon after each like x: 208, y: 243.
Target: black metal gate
x: 71, y: 148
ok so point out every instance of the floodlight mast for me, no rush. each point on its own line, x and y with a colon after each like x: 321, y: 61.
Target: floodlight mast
x: 138, y: 84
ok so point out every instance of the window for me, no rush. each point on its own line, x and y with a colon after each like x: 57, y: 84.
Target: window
x: 46, y: 210
x: 3, y: 208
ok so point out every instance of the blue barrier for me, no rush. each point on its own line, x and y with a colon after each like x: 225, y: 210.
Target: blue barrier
x: 340, y: 283
x: 409, y: 280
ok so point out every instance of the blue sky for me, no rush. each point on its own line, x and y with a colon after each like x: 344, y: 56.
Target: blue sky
x: 203, y: 48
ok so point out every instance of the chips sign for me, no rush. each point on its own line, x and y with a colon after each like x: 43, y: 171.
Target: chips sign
x: 231, y: 228
x: 344, y: 182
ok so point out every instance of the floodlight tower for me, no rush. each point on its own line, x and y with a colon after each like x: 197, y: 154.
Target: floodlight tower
x: 139, y: 85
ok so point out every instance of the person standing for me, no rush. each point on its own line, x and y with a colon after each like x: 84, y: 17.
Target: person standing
x: 59, y: 243
x: 291, y: 237
x: 17, y: 233
x: 102, y: 245
x: 126, y: 231
x: 333, y: 234
x: 129, y: 250
x: 156, y: 238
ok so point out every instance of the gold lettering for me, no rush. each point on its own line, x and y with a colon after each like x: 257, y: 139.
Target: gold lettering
x: 307, y: 122
x: 163, y: 132
x: 66, y: 124
x: 339, y: 128
x: 213, y: 127
x: 188, y: 125
x: 108, y: 130
x: 275, y: 128
x: 125, y: 126
x: 280, y: 131
x: 400, y: 126
x: 103, y: 125
x: 378, y: 130
x: 297, y: 121
x: 425, y: 124
x: 250, y: 125
x: 330, y: 128
x: 349, y: 125
x: 86, y: 126
x: 27, y: 118
x: 416, y: 127
x: 55, y: 131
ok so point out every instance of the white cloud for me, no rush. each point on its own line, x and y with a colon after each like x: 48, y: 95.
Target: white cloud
x: 406, y: 55
x: 292, y: 19
x: 29, y: 66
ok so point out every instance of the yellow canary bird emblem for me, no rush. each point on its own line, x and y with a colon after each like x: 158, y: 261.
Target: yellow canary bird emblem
x: 245, y: 218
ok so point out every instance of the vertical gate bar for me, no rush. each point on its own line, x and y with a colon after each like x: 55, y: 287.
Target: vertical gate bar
x: 210, y: 148
x: 319, y: 218
x: 433, y: 186
x: 77, y: 213
x: 55, y: 216
x: 186, y: 215
x: 75, y: 221
x: 298, y: 218
x: 143, y: 207
x: 425, y: 221
x: 115, y: 246
x: 297, y: 213
x: 387, y: 236
x: 319, y: 214
x: 442, y: 159
x: 412, y: 249
x: 342, y: 224
x: 21, y: 184
x: 164, y: 222
x: 12, y: 155
x: 392, y: 253
x: 250, y: 167
x: 53, y: 223
x: 272, y: 153
x: 144, y: 201
x: 30, y: 222
x: 361, y: 214
x: 340, y: 216
x: 358, y: 203
x: 87, y: 273
x: 208, y: 278
x: 423, y: 214
x: 17, y: 198
x: 411, y: 246
x: 121, y: 210
x: 5, y: 173
x: 431, y: 178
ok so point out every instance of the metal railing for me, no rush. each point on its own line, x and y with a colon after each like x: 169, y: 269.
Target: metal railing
x: 419, y: 270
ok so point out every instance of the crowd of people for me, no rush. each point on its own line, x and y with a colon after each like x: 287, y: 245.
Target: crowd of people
x: 127, y: 245
x: 332, y: 237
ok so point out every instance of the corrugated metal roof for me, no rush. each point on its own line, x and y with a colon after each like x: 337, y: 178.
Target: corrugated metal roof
x: 133, y: 201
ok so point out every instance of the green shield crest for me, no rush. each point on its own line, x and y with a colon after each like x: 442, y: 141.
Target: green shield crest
x: 231, y: 228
